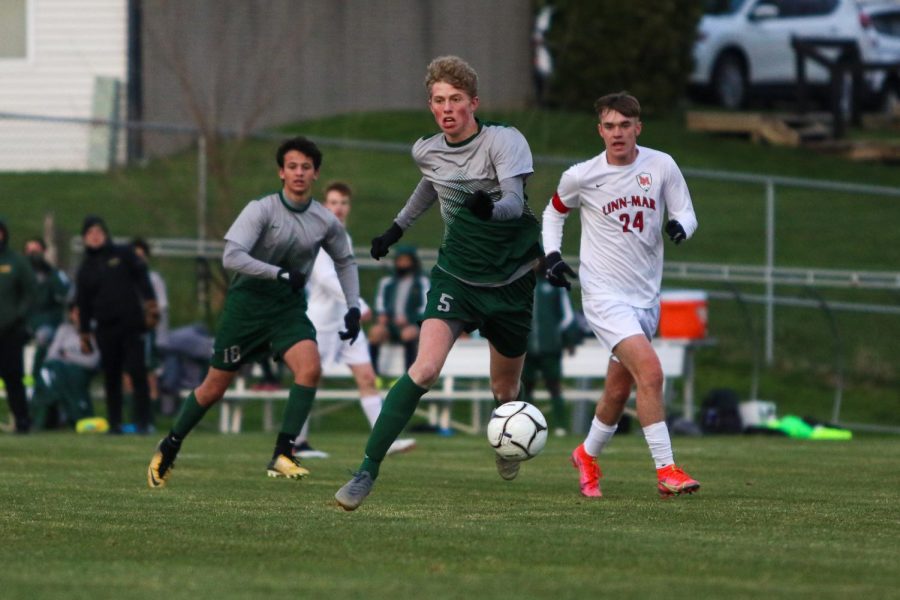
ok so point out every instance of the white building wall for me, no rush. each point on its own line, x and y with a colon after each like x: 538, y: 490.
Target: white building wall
x: 71, y: 43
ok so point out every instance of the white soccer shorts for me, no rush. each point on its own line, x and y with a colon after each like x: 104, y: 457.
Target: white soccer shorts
x: 613, y: 320
x: 334, y: 350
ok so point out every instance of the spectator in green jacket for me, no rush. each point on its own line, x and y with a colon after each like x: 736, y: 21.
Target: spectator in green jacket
x: 16, y: 297
x: 553, y: 329
x: 399, y: 303
x: 49, y: 306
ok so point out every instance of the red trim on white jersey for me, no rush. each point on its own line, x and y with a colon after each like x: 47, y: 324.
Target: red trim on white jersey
x: 558, y: 204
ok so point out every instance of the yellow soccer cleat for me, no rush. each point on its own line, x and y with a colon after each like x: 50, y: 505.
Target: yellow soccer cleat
x: 161, y: 466
x: 286, y: 466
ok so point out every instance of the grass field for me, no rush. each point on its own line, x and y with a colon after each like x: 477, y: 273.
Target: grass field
x: 775, y: 518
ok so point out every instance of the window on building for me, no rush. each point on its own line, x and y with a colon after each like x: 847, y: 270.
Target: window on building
x: 13, y: 29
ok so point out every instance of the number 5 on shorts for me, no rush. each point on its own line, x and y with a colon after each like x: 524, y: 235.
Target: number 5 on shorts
x: 444, y: 303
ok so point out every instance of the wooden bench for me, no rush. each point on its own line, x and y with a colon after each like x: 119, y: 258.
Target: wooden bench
x: 465, y: 378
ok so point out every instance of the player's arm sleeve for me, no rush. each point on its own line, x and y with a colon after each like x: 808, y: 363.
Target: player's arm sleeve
x: 237, y: 258
x: 337, y: 246
x: 512, y: 199
x: 678, y: 200
x: 419, y: 201
x: 240, y: 239
x: 511, y: 155
x: 564, y: 200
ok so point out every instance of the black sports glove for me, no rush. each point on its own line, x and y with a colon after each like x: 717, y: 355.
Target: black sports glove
x: 481, y: 205
x: 383, y: 243
x: 557, y: 269
x: 351, y: 322
x: 675, y: 231
x: 292, y: 277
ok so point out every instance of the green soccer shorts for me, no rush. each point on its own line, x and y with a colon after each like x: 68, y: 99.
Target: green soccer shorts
x: 252, y: 327
x: 501, y: 314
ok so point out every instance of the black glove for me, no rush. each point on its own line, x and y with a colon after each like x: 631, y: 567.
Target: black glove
x: 383, y: 243
x: 351, y: 322
x: 481, y: 205
x: 675, y: 231
x: 292, y: 277
x: 557, y: 269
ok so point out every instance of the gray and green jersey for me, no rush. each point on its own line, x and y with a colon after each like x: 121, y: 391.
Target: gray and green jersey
x: 480, y: 253
x: 271, y: 234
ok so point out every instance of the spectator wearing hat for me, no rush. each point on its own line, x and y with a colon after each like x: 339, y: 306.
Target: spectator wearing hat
x: 114, y: 295
x: 399, y: 304
x: 17, y: 290
x: 52, y: 291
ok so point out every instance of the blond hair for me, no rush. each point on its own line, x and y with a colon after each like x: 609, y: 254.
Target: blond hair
x: 452, y: 70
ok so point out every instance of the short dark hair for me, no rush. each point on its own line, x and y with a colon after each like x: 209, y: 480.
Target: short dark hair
x: 622, y: 102
x: 340, y: 187
x: 302, y: 145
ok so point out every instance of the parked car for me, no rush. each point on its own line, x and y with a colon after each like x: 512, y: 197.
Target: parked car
x: 883, y: 21
x: 744, y: 46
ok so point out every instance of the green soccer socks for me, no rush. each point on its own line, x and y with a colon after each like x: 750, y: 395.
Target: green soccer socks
x: 398, y: 409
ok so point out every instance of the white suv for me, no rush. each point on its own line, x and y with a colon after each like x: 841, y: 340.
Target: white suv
x: 744, y: 46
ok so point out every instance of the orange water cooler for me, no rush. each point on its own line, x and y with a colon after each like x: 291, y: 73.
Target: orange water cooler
x: 683, y: 314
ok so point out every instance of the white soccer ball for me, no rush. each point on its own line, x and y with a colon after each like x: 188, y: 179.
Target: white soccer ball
x: 517, y: 431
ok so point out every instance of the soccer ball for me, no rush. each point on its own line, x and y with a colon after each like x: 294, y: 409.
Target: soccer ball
x: 517, y: 431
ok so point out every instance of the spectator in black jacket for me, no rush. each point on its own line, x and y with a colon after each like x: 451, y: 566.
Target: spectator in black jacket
x: 114, y: 294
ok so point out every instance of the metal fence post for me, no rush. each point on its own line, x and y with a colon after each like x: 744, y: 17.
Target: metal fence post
x: 838, y: 352
x: 201, y: 192
x: 202, y: 283
x: 770, y: 270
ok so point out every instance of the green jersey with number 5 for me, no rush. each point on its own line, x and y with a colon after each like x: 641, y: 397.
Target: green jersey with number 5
x: 480, y: 253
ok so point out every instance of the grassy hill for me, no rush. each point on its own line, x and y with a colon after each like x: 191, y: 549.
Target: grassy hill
x: 815, y: 229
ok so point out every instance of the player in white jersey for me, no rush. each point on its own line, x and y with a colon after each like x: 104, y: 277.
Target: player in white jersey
x: 327, y: 307
x: 622, y: 195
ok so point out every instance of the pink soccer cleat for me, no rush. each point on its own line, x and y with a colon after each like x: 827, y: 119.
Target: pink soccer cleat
x: 589, y: 472
x: 673, y: 481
